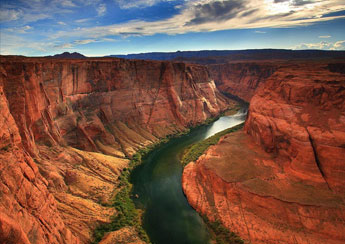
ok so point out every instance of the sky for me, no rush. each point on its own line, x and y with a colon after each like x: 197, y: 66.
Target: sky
x: 105, y: 27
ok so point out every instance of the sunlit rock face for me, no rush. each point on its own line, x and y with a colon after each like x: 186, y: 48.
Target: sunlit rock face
x: 67, y: 128
x: 71, y: 101
x: 281, y: 179
x: 300, y: 116
x: 28, y: 211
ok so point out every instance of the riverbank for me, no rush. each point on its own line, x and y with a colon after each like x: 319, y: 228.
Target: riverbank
x: 127, y: 214
x: 168, y: 217
x: 219, y: 233
x: 193, y: 152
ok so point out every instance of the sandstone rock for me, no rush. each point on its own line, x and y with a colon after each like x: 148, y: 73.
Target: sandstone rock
x: 66, y: 127
x: 77, y: 102
x: 251, y: 193
x: 124, y: 235
x: 241, y: 79
x: 302, y: 118
x: 281, y: 180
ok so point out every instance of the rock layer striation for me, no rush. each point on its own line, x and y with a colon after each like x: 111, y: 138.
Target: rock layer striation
x: 68, y: 127
x: 241, y: 79
x: 281, y: 180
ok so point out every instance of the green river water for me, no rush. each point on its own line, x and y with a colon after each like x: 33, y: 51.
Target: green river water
x: 168, y: 218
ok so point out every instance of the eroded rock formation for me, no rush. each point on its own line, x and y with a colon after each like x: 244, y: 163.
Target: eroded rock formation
x: 241, y: 79
x: 67, y: 128
x: 281, y: 180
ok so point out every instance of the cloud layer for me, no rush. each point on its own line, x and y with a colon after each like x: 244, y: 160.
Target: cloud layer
x: 339, y: 45
x: 69, y: 27
x: 207, y: 15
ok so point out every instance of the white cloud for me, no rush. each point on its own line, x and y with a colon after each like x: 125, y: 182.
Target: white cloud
x: 11, y: 43
x: 88, y: 2
x: 192, y: 16
x: 339, y: 45
x: 74, y: 43
x: 9, y: 14
x: 325, y: 36
x: 67, y: 3
x: 102, y: 8
x: 24, y: 11
x: 65, y: 46
x: 260, y: 32
x: 208, y: 15
x: 20, y: 30
x: 83, y: 42
x: 324, y: 45
x: 82, y: 20
x: 108, y: 40
x: 28, y: 18
x: 125, y: 4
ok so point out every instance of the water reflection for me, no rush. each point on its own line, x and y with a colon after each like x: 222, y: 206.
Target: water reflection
x: 169, y: 219
x: 226, y: 122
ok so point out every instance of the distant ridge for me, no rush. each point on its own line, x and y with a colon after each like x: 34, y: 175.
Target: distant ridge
x: 209, y: 56
x: 173, y: 55
x: 68, y: 55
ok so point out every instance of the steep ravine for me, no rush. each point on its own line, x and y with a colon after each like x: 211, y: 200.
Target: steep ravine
x: 281, y: 179
x: 241, y: 79
x: 67, y: 128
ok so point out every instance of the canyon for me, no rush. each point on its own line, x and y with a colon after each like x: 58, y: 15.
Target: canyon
x: 241, y: 79
x: 69, y: 128
x: 281, y: 179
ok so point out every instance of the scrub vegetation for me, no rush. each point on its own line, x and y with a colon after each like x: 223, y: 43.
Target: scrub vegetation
x: 220, y: 234
x: 193, y: 152
x: 126, y: 212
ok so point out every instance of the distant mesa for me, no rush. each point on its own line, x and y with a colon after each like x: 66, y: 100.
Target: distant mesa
x: 68, y: 55
x: 223, y: 56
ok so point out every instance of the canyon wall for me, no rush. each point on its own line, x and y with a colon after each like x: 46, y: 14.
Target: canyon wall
x: 71, y: 102
x: 300, y: 116
x: 281, y: 179
x: 68, y: 127
x: 28, y: 211
x: 241, y: 79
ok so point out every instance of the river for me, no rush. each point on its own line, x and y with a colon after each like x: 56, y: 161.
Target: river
x: 168, y: 218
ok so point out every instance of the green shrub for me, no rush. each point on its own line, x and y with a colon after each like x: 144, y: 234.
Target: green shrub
x: 221, y: 234
x: 193, y: 152
x: 126, y: 213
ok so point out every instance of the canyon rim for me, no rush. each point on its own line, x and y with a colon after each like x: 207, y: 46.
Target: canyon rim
x: 172, y: 122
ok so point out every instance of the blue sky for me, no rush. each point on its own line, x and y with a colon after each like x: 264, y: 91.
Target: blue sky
x: 104, y: 27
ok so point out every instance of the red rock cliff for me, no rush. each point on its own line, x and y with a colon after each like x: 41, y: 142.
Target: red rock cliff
x: 241, y: 79
x: 54, y: 101
x: 66, y: 127
x: 281, y: 180
x: 28, y: 211
x: 300, y: 115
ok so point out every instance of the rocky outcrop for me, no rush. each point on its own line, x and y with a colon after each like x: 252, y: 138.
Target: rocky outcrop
x: 300, y: 115
x: 281, y: 180
x: 125, y: 235
x: 67, y: 128
x: 85, y: 104
x: 28, y: 211
x: 241, y: 79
